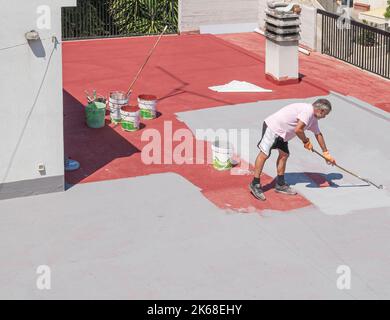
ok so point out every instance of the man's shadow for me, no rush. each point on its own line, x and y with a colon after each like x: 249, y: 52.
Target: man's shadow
x: 312, y: 180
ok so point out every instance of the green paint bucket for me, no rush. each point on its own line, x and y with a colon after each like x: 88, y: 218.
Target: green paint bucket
x: 130, y: 118
x: 222, y: 155
x: 148, y: 106
x: 95, y: 113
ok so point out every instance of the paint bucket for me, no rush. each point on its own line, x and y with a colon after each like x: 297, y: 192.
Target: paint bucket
x: 117, y: 100
x: 222, y: 155
x: 130, y: 118
x: 148, y: 106
x: 95, y: 114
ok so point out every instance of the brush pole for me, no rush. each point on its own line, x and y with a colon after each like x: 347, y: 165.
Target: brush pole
x: 351, y: 173
x: 146, y: 61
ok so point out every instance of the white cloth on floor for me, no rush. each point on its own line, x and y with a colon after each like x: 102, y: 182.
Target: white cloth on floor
x: 239, y: 86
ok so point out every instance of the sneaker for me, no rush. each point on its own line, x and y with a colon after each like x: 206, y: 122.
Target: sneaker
x: 286, y: 189
x: 257, y: 191
x: 71, y: 165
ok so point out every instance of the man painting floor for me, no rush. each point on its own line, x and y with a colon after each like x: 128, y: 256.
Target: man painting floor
x: 278, y: 129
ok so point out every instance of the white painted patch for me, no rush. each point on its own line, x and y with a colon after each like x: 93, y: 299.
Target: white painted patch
x: 239, y: 86
x: 355, y: 133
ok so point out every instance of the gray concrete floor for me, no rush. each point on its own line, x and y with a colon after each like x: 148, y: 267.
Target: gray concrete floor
x: 124, y: 240
x: 157, y: 237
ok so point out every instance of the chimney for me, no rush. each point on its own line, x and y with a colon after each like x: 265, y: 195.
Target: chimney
x: 282, y: 41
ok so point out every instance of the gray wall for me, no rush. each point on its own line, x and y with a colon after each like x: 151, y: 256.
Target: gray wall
x: 31, y: 120
x: 194, y: 13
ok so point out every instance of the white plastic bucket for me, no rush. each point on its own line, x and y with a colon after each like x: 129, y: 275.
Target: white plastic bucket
x: 117, y: 100
x: 130, y: 118
x: 148, y: 106
x: 222, y: 155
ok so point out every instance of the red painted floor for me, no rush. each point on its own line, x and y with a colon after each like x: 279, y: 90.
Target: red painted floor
x: 326, y: 72
x: 179, y: 73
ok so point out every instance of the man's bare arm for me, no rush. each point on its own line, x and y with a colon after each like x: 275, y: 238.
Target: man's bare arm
x: 300, y: 131
x: 325, y: 152
x: 321, y: 142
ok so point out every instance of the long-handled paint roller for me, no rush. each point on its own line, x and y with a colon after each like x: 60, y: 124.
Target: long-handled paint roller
x: 146, y: 61
x: 351, y: 173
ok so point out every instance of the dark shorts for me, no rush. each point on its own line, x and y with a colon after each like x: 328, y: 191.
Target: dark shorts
x: 270, y: 140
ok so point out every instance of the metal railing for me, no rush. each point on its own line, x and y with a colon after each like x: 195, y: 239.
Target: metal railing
x: 356, y: 43
x: 93, y: 19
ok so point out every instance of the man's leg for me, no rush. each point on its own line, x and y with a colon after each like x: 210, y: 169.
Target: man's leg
x: 255, y: 185
x: 259, y: 164
x: 281, y: 164
x: 281, y: 185
x: 267, y: 142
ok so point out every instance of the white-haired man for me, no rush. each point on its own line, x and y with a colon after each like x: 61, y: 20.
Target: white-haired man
x: 282, y: 126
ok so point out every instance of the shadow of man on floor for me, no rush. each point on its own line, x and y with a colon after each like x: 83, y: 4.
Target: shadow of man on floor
x: 311, y: 179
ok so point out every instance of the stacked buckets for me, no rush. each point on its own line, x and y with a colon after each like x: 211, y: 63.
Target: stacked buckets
x: 130, y: 115
x: 129, y: 118
x: 121, y: 112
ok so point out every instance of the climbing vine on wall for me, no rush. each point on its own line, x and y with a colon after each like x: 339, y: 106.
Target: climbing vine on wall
x: 387, y: 12
x: 108, y: 18
x: 145, y: 16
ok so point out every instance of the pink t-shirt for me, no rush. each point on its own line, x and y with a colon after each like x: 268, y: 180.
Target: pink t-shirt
x: 284, y: 122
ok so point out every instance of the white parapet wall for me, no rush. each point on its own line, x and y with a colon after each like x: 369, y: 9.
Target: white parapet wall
x: 262, y: 5
x: 196, y: 13
x: 31, y: 119
x: 222, y: 15
x: 309, y: 27
x: 374, y: 4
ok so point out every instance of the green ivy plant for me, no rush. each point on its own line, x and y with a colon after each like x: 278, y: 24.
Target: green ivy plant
x: 144, y: 16
x: 387, y: 12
